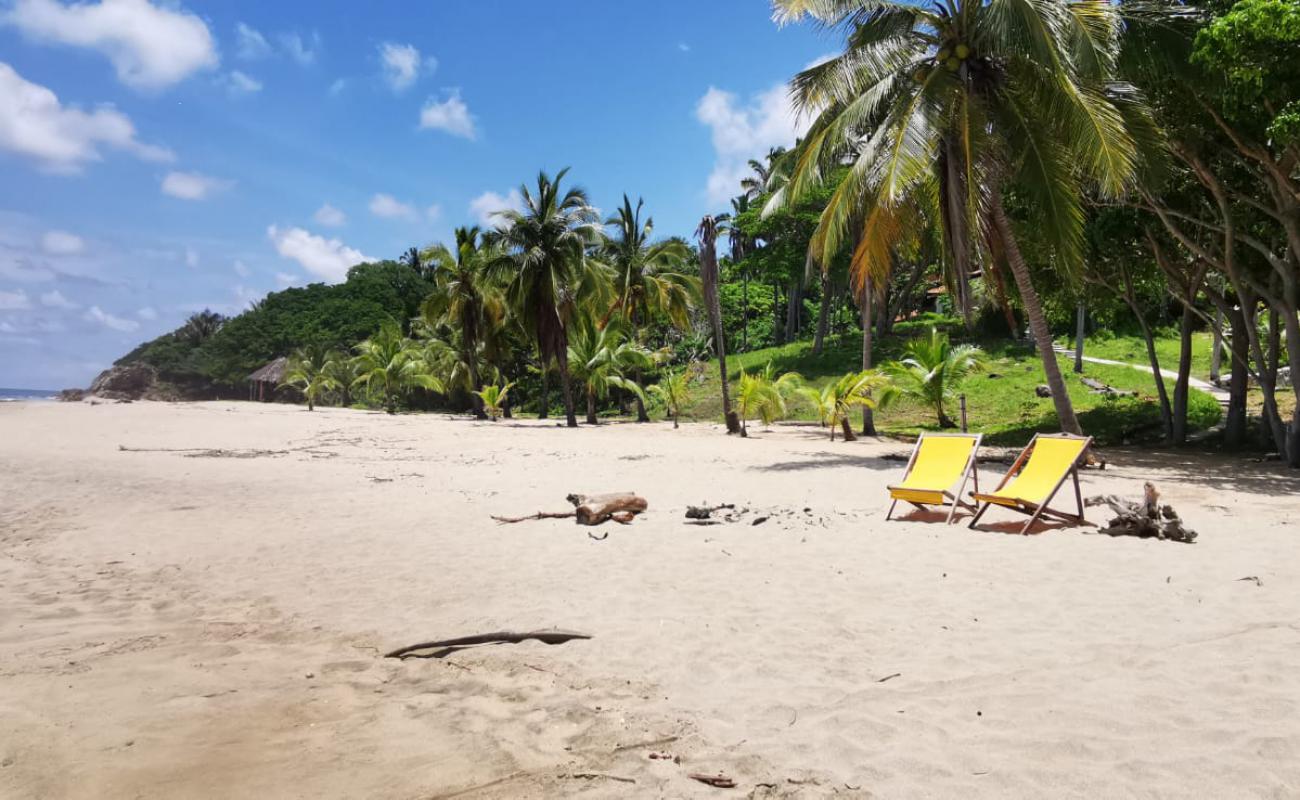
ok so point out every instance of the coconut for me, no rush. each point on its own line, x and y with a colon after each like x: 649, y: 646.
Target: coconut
x: 953, y: 64
x: 962, y: 51
x: 943, y: 54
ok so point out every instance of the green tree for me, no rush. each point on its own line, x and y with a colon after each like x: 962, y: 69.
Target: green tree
x: 931, y: 369
x: 311, y: 370
x: 763, y: 395
x: 391, y: 365
x: 465, y: 299
x: 674, y: 391
x: 960, y: 102
x: 546, y: 253
x: 605, y: 358
x: 494, y: 399
x: 707, y: 233
x: 650, y: 278
x: 836, y: 400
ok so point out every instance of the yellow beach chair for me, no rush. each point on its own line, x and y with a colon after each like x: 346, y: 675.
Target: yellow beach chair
x: 1037, y: 476
x: 938, y: 461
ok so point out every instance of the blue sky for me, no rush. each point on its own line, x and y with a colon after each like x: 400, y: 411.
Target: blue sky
x: 161, y: 157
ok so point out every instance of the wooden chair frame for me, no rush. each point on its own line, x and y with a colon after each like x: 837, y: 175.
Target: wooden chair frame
x: 971, y: 473
x: 1036, y: 511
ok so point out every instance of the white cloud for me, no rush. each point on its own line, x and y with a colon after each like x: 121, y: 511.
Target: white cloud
x: 451, y: 115
x: 299, y: 49
x: 33, y: 123
x: 193, y: 185
x: 147, y: 313
x: 242, y: 83
x: 325, y: 258
x: 55, y: 299
x: 433, y: 212
x: 7, y: 327
x: 389, y: 207
x: 96, y: 314
x: 337, y: 87
x: 402, y: 64
x: 14, y: 301
x: 330, y: 216
x: 241, y: 269
x: 485, y: 206
x: 150, y: 46
x: 684, y: 47
x: 191, y: 258
x: 246, y: 297
x: 286, y: 279
x: 250, y: 44
x: 742, y: 132
x: 62, y: 243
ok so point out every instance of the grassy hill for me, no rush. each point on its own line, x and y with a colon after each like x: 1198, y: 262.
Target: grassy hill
x: 1001, y: 401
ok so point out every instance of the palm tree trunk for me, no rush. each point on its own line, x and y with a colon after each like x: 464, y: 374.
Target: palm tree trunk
x: 641, y: 415
x: 958, y: 230
x: 1037, y: 322
x: 546, y: 390
x: 1181, y: 387
x: 823, y: 313
x: 1080, y: 318
x: 566, y: 385
x: 744, y: 316
x: 476, y: 402
x: 847, y: 428
x: 591, y: 408
x: 778, y: 331
x: 868, y: 418
x: 1216, y: 356
x: 709, y: 281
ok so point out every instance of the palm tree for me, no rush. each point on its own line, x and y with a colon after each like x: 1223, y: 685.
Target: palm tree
x: 343, y: 372
x: 650, y: 278
x: 941, y: 107
x: 546, y: 253
x: 763, y: 394
x: 494, y: 399
x: 311, y: 370
x: 708, y: 236
x: 836, y: 400
x: 201, y: 326
x: 741, y: 246
x: 465, y: 299
x: 931, y: 370
x: 674, y: 390
x: 391, y: 365
x: 602, y: 359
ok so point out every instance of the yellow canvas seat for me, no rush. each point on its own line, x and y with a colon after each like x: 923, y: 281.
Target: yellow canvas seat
x: 1035, y: 478
x: 939, y: 461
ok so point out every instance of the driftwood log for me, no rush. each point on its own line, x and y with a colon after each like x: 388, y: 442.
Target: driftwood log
x: 500, y: 637
x: 595, y: 509
x: 621, y: 507
x: 1145, y: 518
x: 705, y: 512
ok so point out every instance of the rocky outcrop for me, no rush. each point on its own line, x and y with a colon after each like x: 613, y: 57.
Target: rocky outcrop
x: 72, y: 395
x: 126, y: 382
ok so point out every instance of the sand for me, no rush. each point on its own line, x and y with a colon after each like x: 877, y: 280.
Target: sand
x: 194, y: 624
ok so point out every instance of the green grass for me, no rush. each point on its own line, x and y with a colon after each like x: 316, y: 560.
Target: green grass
x: 1001, y: 402
x: 1133, y: 350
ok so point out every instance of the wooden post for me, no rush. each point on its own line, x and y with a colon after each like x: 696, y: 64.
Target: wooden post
x: 962, y: 402
x: 1081, y: 317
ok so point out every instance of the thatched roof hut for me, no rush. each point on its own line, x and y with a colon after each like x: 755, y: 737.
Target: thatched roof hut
x: 263, y: 382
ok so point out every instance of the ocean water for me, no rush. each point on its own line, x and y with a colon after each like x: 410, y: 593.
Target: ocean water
x: 14, y: 395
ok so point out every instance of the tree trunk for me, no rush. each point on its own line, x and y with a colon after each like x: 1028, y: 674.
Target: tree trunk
x: 1216, y: 357
x: 1181, y: 384
x: 1292, y: 454
x: 847, y: 428
x: 954, y: 189
x: 709, y: 280
x: 744, y: 316
x: 591, y: 408
x: 546, y: 390
x: 823, y: 313
x: 1234, y: 429
x: 778, y: 327
x: 641, y: 415
x: 1037, y: 322
x: 1166, y: 411
x: 868, y: 417
x: 476, y: 402
x: 566, y: 385
x: 794, y: 301
x: 1081, y: 318
x: 311, y: 404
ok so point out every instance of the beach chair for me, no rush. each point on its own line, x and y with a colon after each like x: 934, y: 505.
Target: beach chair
x: 938, y: 461
x: 1038, y: 474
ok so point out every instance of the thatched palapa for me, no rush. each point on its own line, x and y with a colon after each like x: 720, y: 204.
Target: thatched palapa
x: 262, y: 383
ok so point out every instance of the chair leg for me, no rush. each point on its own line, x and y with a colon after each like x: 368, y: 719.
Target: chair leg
x: 979, y: 514
x: 891, y: 510
x: 1037, y: 513
x: 1078, y: 494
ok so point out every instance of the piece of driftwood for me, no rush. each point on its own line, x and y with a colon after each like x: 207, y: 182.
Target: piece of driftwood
x: 499, y: 637
x: 720, y: 781
x: 538, y: 515
x: 595, y: 509
x: 705, y: 512
x: 1145, y: 518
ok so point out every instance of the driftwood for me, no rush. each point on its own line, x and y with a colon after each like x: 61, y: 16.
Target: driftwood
x: 1145, y: 518
x: 720, y: 781
x: 1098, y: 387
x: 500, y: 637
x: 705, y: 512
x: 595, y: 509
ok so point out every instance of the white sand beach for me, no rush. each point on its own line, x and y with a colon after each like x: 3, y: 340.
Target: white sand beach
x: 177, y: 622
